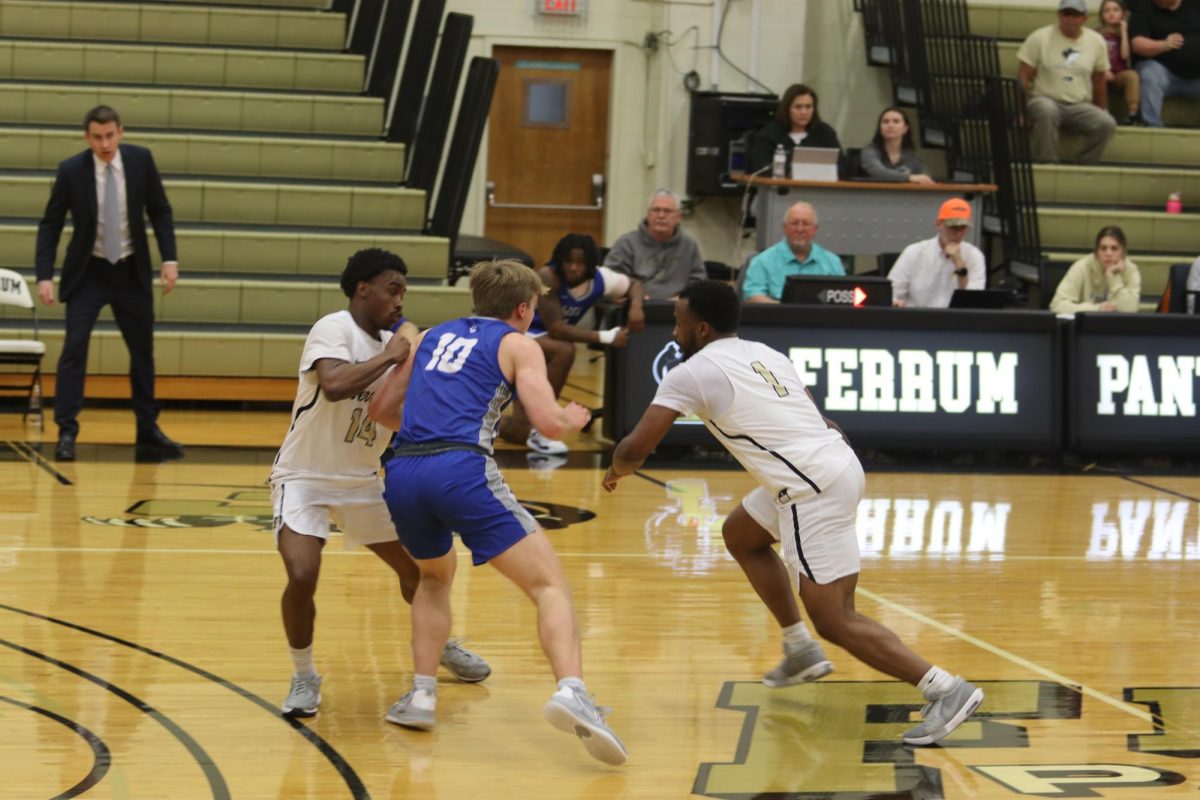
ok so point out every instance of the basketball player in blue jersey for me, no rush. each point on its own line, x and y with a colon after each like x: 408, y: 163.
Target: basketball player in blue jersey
x: 327, y: 470
x: 810, y: 482
x: 443, y: 478
x: 576, y: 283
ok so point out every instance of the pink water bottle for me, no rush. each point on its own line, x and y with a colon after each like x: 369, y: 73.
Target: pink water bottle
x: 1174, y: 203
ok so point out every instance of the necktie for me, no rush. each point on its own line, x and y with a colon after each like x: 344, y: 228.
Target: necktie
x: 112, y: 217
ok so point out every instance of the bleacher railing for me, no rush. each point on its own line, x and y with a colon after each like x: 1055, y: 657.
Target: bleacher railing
x: 952, y: 77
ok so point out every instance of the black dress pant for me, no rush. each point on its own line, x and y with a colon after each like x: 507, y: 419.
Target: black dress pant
x: 117, y: 285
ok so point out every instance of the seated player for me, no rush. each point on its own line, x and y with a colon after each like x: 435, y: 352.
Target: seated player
x: 575, y: 283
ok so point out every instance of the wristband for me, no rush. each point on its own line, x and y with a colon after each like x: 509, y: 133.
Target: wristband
x: 607, y: 337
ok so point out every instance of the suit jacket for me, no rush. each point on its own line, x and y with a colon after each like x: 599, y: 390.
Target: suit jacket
x: 75, y: 191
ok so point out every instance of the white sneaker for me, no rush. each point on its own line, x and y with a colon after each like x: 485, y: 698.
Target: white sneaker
x: 573, y: 711
x: 946, y: 713
x: 414, y: 710
x: 305, y: 696
x: 800, y: 665
x: 544, y: 444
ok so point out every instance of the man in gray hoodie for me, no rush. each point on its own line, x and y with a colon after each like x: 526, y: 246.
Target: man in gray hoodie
x: 658, y: 253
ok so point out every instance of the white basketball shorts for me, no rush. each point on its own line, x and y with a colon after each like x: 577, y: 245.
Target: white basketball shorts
x: 311, y: 507
x: 818, y: 533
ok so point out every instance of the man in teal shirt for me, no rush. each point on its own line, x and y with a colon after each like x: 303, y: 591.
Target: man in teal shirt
x: 795, y: 254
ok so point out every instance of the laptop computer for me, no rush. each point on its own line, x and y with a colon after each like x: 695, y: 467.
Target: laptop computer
x: 815, y: 163
x: 853, y: 291
x: 980, y: 298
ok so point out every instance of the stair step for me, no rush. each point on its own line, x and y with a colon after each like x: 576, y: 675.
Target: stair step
x: 1115, y: 185
x: 288, y: 252
x: 173, y: 65
x: 216, y: 154
x: 173, y: 23
x: 237, y: 301
x: 258, y: 203
x: 191, y: 109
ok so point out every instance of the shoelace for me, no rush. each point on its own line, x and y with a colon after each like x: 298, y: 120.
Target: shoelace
x: 588, y: 701
x: 299, y: 683
x: 457, y: 645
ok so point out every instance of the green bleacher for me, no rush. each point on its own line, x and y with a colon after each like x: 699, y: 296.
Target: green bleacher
x: 1141, y: 166
x: 271, y: 156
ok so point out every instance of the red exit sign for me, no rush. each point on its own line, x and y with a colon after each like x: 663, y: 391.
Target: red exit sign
x: 562, y: 8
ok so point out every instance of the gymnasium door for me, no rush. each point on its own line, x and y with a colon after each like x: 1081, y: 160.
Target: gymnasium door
x: 547, y: 147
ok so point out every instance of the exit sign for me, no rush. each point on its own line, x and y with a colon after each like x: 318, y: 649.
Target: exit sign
x: 562, y: 8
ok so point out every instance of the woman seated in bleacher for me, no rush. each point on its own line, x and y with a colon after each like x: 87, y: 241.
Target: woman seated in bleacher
x: 797, y: 123
x: 1105, y: 280
x: 891, y: 156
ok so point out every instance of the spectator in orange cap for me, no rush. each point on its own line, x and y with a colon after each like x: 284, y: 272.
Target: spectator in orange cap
x: 927, y: 272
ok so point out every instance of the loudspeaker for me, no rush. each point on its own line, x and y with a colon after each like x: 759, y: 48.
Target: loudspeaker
x: 717, y: 139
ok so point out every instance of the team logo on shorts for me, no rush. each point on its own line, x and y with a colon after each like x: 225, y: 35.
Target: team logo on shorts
x: 667, y: 359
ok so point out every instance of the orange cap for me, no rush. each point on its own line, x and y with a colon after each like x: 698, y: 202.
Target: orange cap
x: 955, y: 211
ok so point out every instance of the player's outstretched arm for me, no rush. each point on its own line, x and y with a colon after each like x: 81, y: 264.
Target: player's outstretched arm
x: 387, y: 404
x: 632, y: 451
x: 522, y: 358
x: 341, y: 379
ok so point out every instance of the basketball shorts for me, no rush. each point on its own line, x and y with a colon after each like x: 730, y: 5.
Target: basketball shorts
x: 311, y: 507
x: 818, y: 534
x: 431, y: 496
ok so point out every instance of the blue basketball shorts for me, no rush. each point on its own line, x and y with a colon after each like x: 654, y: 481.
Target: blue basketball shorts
x: 462, y: 491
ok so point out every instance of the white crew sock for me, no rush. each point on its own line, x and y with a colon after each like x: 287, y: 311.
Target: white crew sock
x: 302, y: 661
x: 795, y: 635
x: 572, y: 683
x: 936, y: 683
x: 425, y: 683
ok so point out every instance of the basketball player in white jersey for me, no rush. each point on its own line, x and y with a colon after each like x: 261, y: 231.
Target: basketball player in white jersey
x: 810, y: 482
x: 327, y: 470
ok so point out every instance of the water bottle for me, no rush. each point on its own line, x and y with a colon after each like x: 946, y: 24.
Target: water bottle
x: 779, y: 164
x: 1174, y: 203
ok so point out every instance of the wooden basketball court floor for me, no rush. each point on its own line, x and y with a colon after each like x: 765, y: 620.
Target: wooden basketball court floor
x: 142, y: 656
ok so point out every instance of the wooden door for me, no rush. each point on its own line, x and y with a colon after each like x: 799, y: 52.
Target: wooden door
x: 547, y: 146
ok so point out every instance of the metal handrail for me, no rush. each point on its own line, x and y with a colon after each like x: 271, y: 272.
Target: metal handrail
x: 597, y: 199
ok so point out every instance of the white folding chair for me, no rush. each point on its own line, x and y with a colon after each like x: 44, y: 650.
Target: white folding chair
x: 14, y: 291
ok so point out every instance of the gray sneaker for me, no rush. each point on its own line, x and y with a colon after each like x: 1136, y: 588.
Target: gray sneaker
x: 572, y: 711
x: 305, y: 696
x: 946, y: 713
x: 414, y: 710
x: 464, y: 664
x: 805, y: 663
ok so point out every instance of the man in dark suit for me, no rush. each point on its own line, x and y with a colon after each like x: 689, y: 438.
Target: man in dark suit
x: 109, y: 190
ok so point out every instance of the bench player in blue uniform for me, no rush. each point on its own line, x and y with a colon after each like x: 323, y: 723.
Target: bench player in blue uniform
x: 576, y: 283
x: 443, y: 478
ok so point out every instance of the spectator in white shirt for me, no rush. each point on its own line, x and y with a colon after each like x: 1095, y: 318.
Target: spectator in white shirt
x: 927, y: 272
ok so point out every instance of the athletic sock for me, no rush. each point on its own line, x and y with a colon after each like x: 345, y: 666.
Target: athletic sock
x: 573, y: 683
x: 427, y: 683
x: 302, y: 661
x: 936, y: 683
x: 796, y: 635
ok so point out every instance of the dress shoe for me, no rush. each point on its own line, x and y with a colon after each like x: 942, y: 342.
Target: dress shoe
x: 65, y: 449
x: 156, y: 439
